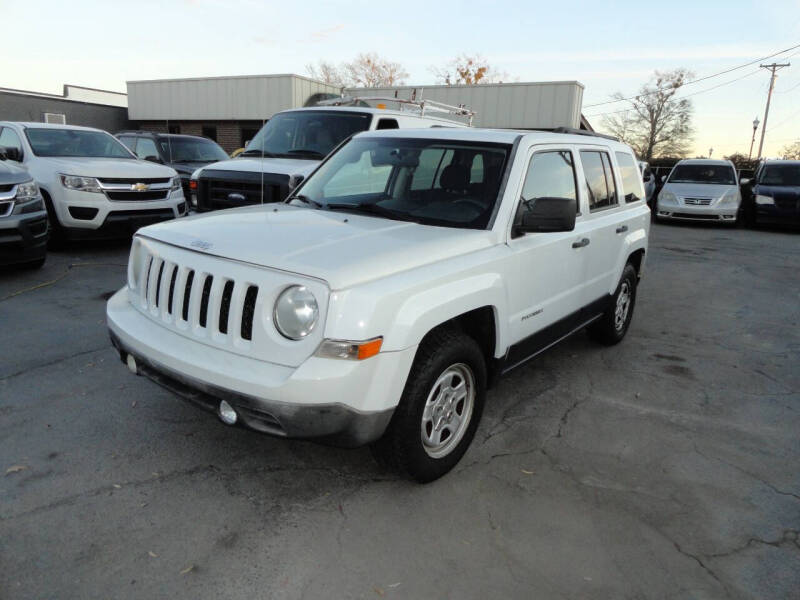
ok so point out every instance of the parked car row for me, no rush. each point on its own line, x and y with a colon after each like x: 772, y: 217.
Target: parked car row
x: 710, y: 190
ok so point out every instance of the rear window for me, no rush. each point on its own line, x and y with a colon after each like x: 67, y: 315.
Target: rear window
x: 710, y: 174
x: 632, y: 188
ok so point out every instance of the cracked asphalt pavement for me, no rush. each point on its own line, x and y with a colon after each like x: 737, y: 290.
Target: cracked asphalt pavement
x: 665, y: 467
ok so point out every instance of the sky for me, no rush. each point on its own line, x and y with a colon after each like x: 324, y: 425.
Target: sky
x: 607, y: 46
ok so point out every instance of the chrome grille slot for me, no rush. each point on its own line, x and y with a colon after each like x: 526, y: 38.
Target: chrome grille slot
x: 248, y: 311
x: 171, y: 299
x: 187, y: 294
x: 158, y: 285
x: 204, y: 300
x: 225, y: 306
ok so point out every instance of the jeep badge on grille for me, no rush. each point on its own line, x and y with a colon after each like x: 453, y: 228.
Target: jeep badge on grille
x: 236, y: 197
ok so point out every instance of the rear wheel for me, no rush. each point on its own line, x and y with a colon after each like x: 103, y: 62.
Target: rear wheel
x: 610, y: 328
x: 440, y: 409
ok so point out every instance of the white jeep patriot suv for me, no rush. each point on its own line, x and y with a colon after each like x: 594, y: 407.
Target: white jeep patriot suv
x: 376, y: 304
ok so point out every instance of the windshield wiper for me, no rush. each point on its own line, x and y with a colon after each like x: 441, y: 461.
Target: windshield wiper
x: 257, y: 153
x: 371, y: 208
x: 306, y: 151
x: 305, y: 200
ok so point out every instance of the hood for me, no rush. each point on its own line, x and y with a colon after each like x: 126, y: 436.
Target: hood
x: 185, y: 169
x: 279, y: 166
x: 698, y: 190
x: 11, y: 174
x: 318, y: 243
x: 779, y: 192
x: 107, y: 167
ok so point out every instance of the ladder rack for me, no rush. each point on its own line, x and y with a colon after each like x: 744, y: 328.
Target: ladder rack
x: 420, y: 105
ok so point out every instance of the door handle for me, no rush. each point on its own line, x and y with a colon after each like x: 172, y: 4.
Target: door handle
x: 581, y: 244
x: 622, y: 229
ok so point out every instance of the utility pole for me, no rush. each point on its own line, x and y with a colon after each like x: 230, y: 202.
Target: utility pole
x: 773, y: 67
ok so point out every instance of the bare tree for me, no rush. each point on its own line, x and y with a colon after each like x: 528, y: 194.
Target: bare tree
x: 467, y: 69
x: 791, y: 151
x: 656, y: 123
x: 326, y: 72
x: 365, y: 70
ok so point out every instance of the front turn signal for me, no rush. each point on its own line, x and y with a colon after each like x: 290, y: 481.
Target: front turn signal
x: 347, y: 350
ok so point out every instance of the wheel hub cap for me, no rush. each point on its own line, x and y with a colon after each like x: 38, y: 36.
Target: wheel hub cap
x: 623, y: 306
x: 448, y: 410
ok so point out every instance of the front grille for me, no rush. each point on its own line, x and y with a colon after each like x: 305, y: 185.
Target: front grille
x: 782, y: 203
x: 696, y: 216
x: 135, y: 196
x: 7, y: 187
x: 697, y: 201
x: 128, y: 180
x: 201, y: 299
x: 6, y: 208
x: 228, y: 189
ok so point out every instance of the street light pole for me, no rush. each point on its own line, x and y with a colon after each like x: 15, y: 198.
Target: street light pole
x: 773, y: 67
x: 755, y: 126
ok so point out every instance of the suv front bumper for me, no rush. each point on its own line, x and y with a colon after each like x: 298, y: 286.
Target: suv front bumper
x: 23, y: 238
x: 346, y: 403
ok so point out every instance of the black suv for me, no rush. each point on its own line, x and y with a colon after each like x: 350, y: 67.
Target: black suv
x: 773, y: 195
x: 23, y: 219
x: 184, y: 153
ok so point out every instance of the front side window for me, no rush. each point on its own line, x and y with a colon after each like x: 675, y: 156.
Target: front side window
x: 788, y: 175
x: 429, y: 181
x: 632, y: 188
x: 550, y: 175
x: 75, y: 143
x: 10, y: 139
x: 600, y: 185
x: 186, y: 150
x: 306, y: 134
x: 708, y: 174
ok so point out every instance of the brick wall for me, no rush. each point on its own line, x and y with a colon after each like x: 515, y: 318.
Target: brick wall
x: 229, y: 133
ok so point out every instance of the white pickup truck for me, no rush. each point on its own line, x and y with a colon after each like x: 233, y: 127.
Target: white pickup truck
x: 293, y: 142
x: 378, y: 303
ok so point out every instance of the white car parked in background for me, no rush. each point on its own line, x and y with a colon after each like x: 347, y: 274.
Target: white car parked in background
x: 404, y: 273
x: 92, y: 185
x: 293, y: 143
x: 701, y: 190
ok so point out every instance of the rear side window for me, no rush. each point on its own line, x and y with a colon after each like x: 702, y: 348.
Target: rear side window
x: 550, y: 175
x: 632, y: 188
x: 388, y: 124
x: 600, y: 185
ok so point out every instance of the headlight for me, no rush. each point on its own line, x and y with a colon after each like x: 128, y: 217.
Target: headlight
x: 730, y: 197
x: 667, y: 196
x: 176, y: 183
x: 84, y: 184
x: 27, y: 191
x: 764, y: 199
x: 296, y: 312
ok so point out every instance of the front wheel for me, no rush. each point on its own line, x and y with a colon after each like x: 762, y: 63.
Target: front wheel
x: 440, y: 409
x: 610, y: 328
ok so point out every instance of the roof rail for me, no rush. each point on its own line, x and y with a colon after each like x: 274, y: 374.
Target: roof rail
x: 421, y: 105
x: 573, y: 131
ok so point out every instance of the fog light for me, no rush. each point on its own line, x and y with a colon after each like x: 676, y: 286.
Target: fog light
x: 132, y: 364
x: 227, y: 414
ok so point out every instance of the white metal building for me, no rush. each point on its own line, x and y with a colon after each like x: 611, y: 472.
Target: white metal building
x: 231, y: 109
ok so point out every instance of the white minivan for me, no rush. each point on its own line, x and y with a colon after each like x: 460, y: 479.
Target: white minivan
x: 700, y: 190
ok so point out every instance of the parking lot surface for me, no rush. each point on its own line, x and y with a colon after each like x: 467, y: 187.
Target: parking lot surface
x: 665, y: 467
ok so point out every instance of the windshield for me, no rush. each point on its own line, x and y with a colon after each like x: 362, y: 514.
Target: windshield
x: 434, y: 182
x: 781, y: 175
x: 76, y: 142
x: 711, y: 174
x: 306, y: 134
x: 179, y: 149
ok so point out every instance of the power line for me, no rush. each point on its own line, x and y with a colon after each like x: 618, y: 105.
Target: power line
x: 693, y: 81
x: 686, y: 96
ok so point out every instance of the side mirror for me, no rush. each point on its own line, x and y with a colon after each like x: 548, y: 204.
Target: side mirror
x: 11, y: 153
x: 744, y: 181
x: 2, y: 153
x: 295, y: 180
x: 663, y: 178
x: 154, y: 159
x: 548, y: 215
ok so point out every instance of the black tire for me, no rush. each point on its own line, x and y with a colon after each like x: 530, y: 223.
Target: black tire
x: 401, y: 447
x: 608, y: 330
x: 36, y: 264
x: 56, y: 236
